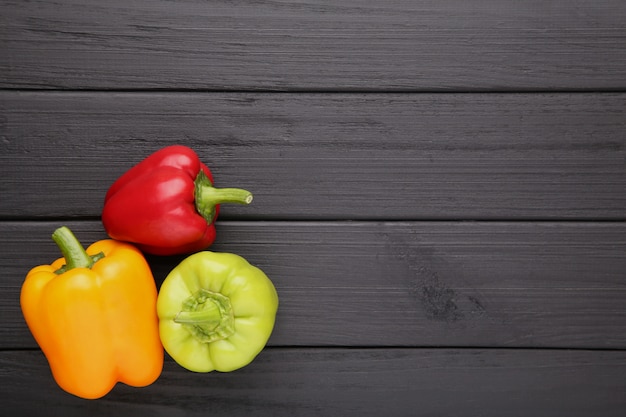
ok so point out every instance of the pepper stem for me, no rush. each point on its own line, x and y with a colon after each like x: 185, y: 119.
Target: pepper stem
x: 207, y: 196
x: 73, y: 252
x: 208, y: 316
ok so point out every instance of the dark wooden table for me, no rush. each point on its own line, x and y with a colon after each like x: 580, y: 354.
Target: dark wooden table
x: 440, y: 193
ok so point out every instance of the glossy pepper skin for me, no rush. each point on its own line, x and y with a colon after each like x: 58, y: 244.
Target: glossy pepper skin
x: 95, y: 319
x: 216, y: 312
x: 167, y: 204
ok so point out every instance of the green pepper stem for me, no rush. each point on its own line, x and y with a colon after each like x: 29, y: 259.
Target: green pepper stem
x: 208, y: 316
x: 73, y: 252
x: 207, y: 196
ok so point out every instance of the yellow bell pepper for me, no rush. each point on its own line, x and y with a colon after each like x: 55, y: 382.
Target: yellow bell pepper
x: 93, y: 313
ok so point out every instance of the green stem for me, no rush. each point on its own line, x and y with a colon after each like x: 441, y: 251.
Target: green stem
x: 207, y: 196
x: 73, y: 252
x: 208, y: 316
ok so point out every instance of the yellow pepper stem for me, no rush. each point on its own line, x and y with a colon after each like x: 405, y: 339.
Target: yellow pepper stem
x: 73, y: 252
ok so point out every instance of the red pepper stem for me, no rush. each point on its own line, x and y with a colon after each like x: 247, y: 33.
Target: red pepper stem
x: 73, y: 252
x: 207, y: 196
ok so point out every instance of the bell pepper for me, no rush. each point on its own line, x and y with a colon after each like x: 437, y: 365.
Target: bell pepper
x: 167, y: 204
x: 216, y: 312
x: 93, y: 314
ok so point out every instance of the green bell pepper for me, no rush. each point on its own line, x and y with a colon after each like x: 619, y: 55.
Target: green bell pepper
x: 216, y: 312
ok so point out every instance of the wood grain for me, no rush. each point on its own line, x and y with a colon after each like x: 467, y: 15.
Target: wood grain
x: 442, y: 45
x: 348, y: 382
x: 328, y: 156
x: 401, y: 283
x: 439, y: 193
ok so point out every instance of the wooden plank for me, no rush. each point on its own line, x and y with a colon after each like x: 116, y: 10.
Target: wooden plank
x: 317, y: 44
x: 328, y: 156
x: 401, y: 283
x: 348, y: 382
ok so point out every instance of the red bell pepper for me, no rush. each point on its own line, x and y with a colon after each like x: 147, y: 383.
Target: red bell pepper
x: 167, y: 204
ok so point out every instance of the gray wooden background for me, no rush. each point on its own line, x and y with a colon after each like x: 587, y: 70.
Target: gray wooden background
x: 440, y: 193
